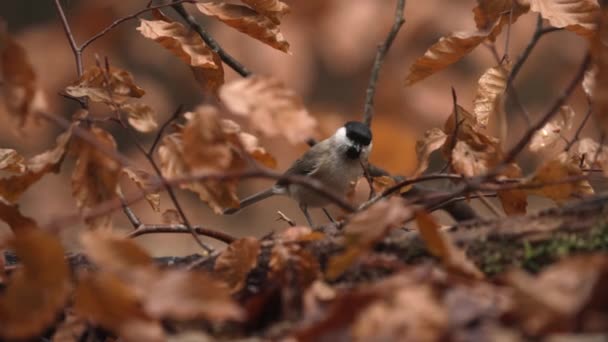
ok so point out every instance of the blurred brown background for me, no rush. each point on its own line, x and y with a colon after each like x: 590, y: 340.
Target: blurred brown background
x: 333, y: 44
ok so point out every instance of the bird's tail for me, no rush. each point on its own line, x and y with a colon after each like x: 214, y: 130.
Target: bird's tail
x: 251, y: 200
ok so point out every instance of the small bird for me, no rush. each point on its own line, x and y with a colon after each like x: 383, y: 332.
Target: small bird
x: 335, y: 162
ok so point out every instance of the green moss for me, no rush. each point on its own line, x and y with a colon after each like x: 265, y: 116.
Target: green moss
x: 495, y: 255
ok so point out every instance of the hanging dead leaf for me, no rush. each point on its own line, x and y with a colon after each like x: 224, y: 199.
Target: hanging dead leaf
x: 19, y: 89
x: 487, y: 12
x: 270, y: 106
x: 98, y: 85
x: 103, y: 299
x: 249, y: 142
x: 95, y: 176
x: 273, y: 9
x: 462, y: 119
x: 433, y: 140
x: 547, y: 136
x: 559, y: 170
x: 247, y: 21
x: 185, y: 295
x: 586, y: 154
x: 144, y: 181
x: 11, y: 161
x: 579, y: 16
x: 440, y: 245
x: 514, y: 202
x: 113, y: 253
x: 470, y: 161
x: 364, y: 229
x: 589, y: 81
x: 448, y: 50
x: 189, y: 47
x: 236, y: 261
x: 490, y: 90
x: 37, y: 291
x: 140, y: 116
x: 11, y: 188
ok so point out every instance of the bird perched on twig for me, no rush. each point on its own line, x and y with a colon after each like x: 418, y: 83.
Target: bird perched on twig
x: 335, y: 162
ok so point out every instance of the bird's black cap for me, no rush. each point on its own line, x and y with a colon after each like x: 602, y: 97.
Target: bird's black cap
x: 358, y: 132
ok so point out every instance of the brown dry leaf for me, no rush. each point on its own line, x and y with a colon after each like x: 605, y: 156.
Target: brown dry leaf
x: 114, y: 253
x: 11, y: 161
x: 514, y: 201
x: 440, y: 245
x: 490, y: 90
x: 364, y: 229
x: 185, y: 295
x: 19, y: 88
x: 467, y: 122
x: 38, y: 291
x: 553, y: 130
x: 11, y: 188
x: 471, y: 162
x: 433, y: 140
x: 270, y: 106
x: 144, y: 181
x: 585, y: 154
x: 273, y: 9
x: 383, y: 183
x: 293, y: 266
x: 103, y: 299
x: 140, y: 116
x: 236, y: 261
x: 487, y: 12
x: 555, y: 299
x: 579, y: 16
x: 208, y: 145
x: 411, y: 313
x: 189, y: 47
x: 99, y: 85
x: 95, y: 176
x: 589, y: 81
x: 559, y: 170
x: 446, y: 51
x: 247, y: 21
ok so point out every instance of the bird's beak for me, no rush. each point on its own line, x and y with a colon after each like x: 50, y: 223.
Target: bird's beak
x: 354, y: 151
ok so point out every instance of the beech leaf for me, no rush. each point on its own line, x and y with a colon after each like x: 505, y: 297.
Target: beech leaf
x: 433, y: 140
x: 557, y: 170
x: 579, y: 16
x: 144, y: 180
x: 98, y: 85
x: 273, y: 9
x: 11, y: 161
x: 140, y: 116
x: 271, y: 107
x: 236, y: 261
x: 491, y: 87
x: 553, y: 130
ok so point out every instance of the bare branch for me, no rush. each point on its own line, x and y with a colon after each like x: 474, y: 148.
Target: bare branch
x: 383, y: 48
x: 68, y: 32
x: 146, y: 229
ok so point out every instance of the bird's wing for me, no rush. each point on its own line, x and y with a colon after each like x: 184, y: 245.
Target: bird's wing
x: 304, y: 166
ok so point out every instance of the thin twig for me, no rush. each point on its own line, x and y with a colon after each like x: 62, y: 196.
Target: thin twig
x: 226, y: 58
x: 383, y: 48
x: 135, y: 221
x: 283, y: 217
x: 488, y: 204
x: 457, y: 123
x: 579, y: 129
x: 162, y: 129
x: 68, y: 32
x: 369, y: 180
x: 505, y: 53
x: 180, y: 229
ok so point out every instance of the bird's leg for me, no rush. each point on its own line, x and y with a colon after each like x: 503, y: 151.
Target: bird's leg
x: 329, y: 216
x: 304, y: 209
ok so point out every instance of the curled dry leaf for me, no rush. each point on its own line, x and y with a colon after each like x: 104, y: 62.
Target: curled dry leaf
x: 579, y: 16
x: 144, y: 181
x: 433, y: 140
x: 585, y: 154
x: 113, y: 253
x: 553, y: 130
x: 273, y: 9
x: 270, y: 106
x: 247, y: 21
x: 140, y: 116
x: 19, y: 89
x: 487, y: 12
x: 185, y: 295
x: 110, y: 87
x: 490, y: 90
x: 515, y: 201
x: 11, y: 161
x: 440, y: 245
x: 209, y: 145
x: 36, y: 292
x: 446, y: 51
x: 189, y: 47
x: 95, y: 176
x: 558, y: 170
x: 366, y: 228
x: 236, y: 261
x: 470, y: 160
x: 11, y: 188
x: 103, y: 299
